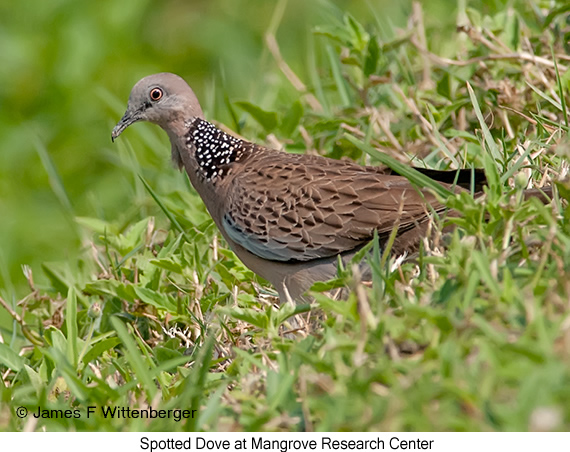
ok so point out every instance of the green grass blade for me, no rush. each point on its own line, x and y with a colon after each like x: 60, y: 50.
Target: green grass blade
x: 489, y: 141
x: 167, y: 212
x: 316, y: 81
x: 415, y: 177
x: 516, y: 166
x: 71, y: 321
x: 490, y: 158
x: 441, y: 145
x: 135, y: 358
x: 560, y: 89
x: 53, y: 176
x: 337, y: 76
x: 193, y: 389
x: 545, y: 96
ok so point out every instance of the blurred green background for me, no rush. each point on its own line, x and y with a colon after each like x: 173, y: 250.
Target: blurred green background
x: 66, y: 71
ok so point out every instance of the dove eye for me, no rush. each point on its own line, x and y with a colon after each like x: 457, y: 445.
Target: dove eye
x: 156, y: 94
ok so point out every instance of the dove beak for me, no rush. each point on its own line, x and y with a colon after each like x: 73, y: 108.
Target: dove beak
x: 128, y: 118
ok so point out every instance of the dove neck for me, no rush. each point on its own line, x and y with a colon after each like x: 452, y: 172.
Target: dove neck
x: 214, y: 150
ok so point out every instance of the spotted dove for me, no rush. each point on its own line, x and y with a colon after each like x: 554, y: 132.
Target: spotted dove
x: 288, y: 217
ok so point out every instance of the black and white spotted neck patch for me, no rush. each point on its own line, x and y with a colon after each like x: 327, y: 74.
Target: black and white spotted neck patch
x: 214, y: 148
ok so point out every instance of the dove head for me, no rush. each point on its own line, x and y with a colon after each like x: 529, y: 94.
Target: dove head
x: 164, y: 99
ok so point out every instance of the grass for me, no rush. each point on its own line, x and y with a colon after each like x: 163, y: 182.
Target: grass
x: 472, y: 335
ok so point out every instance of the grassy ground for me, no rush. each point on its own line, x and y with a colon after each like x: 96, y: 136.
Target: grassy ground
x: 473, y: 335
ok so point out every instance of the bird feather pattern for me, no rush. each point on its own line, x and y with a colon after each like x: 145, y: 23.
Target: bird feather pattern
x: 289, y: 207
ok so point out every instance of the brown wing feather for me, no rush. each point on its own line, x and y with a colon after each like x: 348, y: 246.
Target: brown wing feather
x: 290, y: 208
